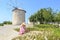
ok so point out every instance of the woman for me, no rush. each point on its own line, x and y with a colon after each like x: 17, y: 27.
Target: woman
x: 22, y: 28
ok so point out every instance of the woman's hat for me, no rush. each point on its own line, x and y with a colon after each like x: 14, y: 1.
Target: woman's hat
x: 23, y: 24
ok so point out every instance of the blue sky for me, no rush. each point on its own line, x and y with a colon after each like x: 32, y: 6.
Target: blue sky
x: 31, y: 6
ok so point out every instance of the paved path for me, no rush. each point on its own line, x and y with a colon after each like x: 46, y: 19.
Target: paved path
x: 8, y: 32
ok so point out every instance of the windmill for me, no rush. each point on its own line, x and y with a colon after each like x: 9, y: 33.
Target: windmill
x: 18, y: 14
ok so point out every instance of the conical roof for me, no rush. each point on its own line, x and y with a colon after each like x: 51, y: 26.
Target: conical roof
x: 18, y: 9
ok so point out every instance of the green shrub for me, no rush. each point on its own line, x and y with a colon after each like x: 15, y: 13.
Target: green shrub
x: 7, y: 22
x: 1, y: 24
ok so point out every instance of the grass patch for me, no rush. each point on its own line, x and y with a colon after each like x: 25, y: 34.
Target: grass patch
x: 46, y: 26
x: 52, y: 29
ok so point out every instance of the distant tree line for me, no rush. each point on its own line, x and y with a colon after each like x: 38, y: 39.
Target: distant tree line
x: 5, y: 22
x: 45, y: 15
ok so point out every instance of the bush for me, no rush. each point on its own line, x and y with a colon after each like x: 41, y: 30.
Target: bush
x: 7, y: 22
x: 1, y: 24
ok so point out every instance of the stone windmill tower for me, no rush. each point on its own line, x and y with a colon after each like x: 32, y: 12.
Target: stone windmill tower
x: 18, y: 15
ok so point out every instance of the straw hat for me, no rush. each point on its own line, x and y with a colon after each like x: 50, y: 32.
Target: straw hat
x: 23, y: 24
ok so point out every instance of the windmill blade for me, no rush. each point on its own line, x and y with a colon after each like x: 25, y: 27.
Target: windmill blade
x: 11, y: 5
x: 19, y: 4
x: 11, y: 2
x: 16, y: 3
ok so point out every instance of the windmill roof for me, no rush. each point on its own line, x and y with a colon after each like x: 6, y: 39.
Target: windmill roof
x: 18, y: 9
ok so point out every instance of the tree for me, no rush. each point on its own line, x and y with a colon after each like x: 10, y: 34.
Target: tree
x: 57, y: 17
x: 40, y: 16
x: 32, y: 19
x: 45, y: 15
x: 48, y: 14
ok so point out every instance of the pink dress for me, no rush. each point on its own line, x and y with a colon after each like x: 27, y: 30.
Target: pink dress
x: 22, y: 30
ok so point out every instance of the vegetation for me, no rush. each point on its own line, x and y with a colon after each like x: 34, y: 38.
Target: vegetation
x: 46, y: 30
x: 45, y: 15
x: 1, y: 24
x: 5, y: 22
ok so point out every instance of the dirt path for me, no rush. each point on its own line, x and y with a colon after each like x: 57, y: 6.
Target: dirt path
x: 8, y: 32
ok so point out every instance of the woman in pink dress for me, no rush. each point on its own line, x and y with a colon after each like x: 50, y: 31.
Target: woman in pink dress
x: 22, y: 28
